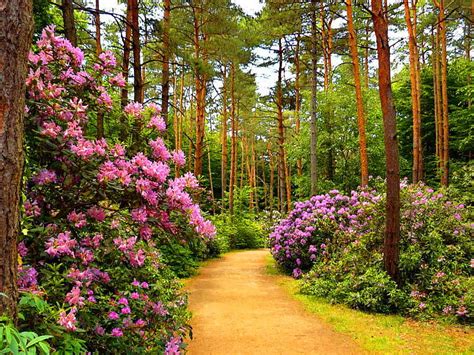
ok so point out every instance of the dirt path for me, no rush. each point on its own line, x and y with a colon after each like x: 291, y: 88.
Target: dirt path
x: 238, y: 309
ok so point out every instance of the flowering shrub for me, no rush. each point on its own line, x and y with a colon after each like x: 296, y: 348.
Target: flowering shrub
x: 435, y: 252
x: 310, y: 230
x: 96, y: 215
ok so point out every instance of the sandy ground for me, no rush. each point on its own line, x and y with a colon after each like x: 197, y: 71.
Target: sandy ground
x: 239, y: 309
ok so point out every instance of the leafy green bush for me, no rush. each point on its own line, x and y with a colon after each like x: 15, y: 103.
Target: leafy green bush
x: 14, y: 341
x: 242, y: 231
x: 436, y: 266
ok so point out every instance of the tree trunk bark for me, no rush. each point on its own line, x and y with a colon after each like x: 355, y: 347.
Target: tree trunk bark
x: 126, y: 55
x: 364, y: 166
x: 200, y: 94
x: 98, y: 50
x: 165, y: 78
x: 392, y: 217
x: 314, y: 119
x: 67, y: 8
x: 281, y: 132
x: 16, y: 29
x: 410, y: 19
x: 137, y: 68
x: 299, y: 162
x: 233, y: 146
x: 224, y: 136
x: 444, y: 93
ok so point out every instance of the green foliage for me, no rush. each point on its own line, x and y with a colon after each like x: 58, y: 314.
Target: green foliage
x: 435, y: 255
x: 242, y: 231
x: 13, y: 341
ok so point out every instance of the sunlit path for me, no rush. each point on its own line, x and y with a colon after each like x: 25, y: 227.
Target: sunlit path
x: 238, y: 309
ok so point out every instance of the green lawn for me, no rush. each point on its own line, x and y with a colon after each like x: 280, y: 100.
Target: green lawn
x: 379, y: 333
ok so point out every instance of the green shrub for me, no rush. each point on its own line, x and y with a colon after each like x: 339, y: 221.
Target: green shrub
x: 436, y: 272
x: 243, y: 231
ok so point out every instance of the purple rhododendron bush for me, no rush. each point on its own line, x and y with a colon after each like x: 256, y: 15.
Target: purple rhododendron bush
x: 335, y: 243
x: 91, y: 269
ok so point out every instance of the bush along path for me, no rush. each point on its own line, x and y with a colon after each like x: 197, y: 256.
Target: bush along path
x: 239, y: 309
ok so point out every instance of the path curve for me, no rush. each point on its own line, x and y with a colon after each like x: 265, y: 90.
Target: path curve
x: 239, y: 309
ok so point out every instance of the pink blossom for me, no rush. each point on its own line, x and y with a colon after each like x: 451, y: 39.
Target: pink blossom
x: 178, y: 157
x: 137, y: 258
x: 61, y: 245
x: 157, y: 122
x: 126, y: 310
x: 118, y: 80
x: 45, y: 177
x: 123, y: 301
x: 68, y: 320
x: 113, y: 315
x: 74, y: 297
x: 32, y: 208
x: 134, y: 109
x: 96, y: 213
x: 117, y: 332
x: 159, y: 149
x: 139, y: 215
x: 22, y: 249
x: 50, y: 129
x: 99, y: 330
x: 79, y: 219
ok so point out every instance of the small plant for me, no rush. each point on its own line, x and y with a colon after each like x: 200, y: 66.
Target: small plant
x: 13, y: 341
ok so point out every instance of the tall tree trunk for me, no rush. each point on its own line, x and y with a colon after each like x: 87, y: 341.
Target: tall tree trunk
x: 410, y: 19
x: 98, y: 42
x: 444, y: 93
x: 137, y: 68
x: 67, y: 8
x: 281, y: 132
x: 392, y: 216
x: 299, y: 162
x: 127, y: 45
x: 211, y: 184
x: 271, y: 186
x: 16, y: 28
x: 165, y: 77
x: 314, y: 119
x: 98, y: 50
x: 200, y: 77
x: 224, y: 136
x: 437, y: 97
x: 366, y: 55
x: 364, y: 166
x: 233, y: 145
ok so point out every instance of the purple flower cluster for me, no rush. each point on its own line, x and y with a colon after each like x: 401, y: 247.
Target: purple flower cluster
x: 303, y: 237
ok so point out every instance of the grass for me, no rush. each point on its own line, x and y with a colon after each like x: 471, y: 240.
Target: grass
x: 380, y: 333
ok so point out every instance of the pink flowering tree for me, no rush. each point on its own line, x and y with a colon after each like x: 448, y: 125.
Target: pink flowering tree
x: 96, y: 215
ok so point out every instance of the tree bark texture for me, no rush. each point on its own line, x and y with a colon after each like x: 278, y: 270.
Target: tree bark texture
x: 410, y: 19
x: 233, y: 145
x: 392, y: 216
x: 16, y: 29
x: 165, y: 77
x: 444, y: 92
x: 314, y: 118
x: 364, y: 165
x: 224, y: 136
x: 281, y: 132
x: 67, y: 8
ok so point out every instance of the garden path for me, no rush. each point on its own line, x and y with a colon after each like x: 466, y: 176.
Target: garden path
x: 239, y: 309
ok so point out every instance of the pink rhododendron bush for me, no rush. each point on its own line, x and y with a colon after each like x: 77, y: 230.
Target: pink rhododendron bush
x: 97, y: 215
x: 335, y: 243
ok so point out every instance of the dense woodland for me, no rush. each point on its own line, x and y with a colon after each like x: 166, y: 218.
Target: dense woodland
x: 157, y: 134
x: 195, y: 59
